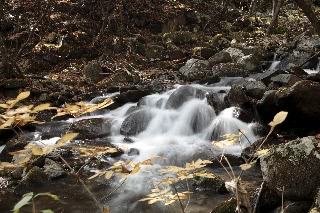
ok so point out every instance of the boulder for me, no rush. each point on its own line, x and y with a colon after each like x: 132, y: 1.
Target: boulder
x: 236, y: 54
x: 237, y: 96
x: 136, y: 122
x: 314, y: 77
x: 182, y: 95
x: 131, y: 96
x: 194, y: 69
x: 34, y: 178
x: 294, y: 207
x: 294, y: 166
x: 266, y: 107
x: 303, y: 99
x: 92, y: 72
x: 254, y: 89
x: 220, y: 57
x: 53, y: 169
x: 120, y: 77
x: 228, y: 206
x: 285, y: 79
x: 229, y: 70
x: 204, y: 52
x: 91, y: 128
x: 179, y: 37
x: 216, y: 100
x: 267, y: 75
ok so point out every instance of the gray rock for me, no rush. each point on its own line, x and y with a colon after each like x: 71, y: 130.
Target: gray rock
x: 314, y: 77
x: 285, y: 79
x: 237, y: 96
x: 229, y: 70
x: 194, y: 69
x: 92, y: 128
x: 302, y: 98
x: 220, y: 57
x: 267, y: 75
x: 182, y: 95
x: 294, y: 166
x: 136, y: 122
x: 255, y: 89
x: 92, y: 72
x: 216, y: 100
x: 120, y: 77
x: 236, y: 54
x: 250, y: 62
x: 53, y: 169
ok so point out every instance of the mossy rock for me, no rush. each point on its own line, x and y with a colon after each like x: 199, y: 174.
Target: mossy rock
x: 204, y: 52
x: 179, y: 37
x: 155, y: 52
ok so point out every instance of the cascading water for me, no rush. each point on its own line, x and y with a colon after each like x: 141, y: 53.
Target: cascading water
x: 177, y: 125
x: 316, y: 70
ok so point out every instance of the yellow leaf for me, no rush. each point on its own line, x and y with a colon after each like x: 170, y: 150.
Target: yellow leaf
x: 147, y: 162
x: 4, y: 165
x: 169, y: 202
x: 42, y: 107
x: 108, y: 175
x: 94, y: 176
x: 47, y: 149
x: 7, y: 124
x: 245, y: 166
x: 23, y: 95
x: 278, y: 118
x: 135, y: 169
x: 37, y: 150
x: 262, y: 152
x: 72, y: 107
x: 6, y: 106
x: 66, y: 138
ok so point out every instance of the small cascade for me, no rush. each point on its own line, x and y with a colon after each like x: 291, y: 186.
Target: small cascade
x: 274, y: 63
x: 179, y: 132
x: 316, y: 70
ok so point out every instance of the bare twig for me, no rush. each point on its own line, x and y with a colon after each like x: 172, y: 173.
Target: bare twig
x: 178, y: 197
x: 258, y: 197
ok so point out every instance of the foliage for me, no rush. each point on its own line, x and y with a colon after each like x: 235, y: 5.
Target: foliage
x: 20, y: 116
x: 166, y: 196
x: 26, y: 198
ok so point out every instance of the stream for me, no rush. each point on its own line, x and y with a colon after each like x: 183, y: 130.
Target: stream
x: 177, y: 125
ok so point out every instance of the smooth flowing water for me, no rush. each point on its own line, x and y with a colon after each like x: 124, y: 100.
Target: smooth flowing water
x: 177, y: 125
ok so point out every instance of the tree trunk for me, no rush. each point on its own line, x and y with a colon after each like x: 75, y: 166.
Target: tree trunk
x: 307, y: 10
x: 275, y: 15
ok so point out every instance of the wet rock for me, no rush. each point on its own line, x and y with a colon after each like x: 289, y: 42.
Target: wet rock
x: 267, y: 75
x: 53, y: 169
x: 91, y: 128
x: 194, y: 69
x: 14, y: 144
x: 267, y: 107
x: 92, y: 72
x: 155, y: 52
x: 136, y: 122
x: 285, y: 79
x: 132, y: 96
x: 228, y: 206
x: 220, y: 57
x: 268, y: 200
x: 229, y: 70
x: 314, y: 77
x: 254, y: 89
x: 211, y: 185
x: 204, y: 52
x: 182, y: 95
x: 216, y: 100
x: 14, y: 84
x: 133, y: 152
x: 302, y: 98
x: 34, y: 178
x: 294, y: 166
x: 294, y: 207
x: 233, y: 160
x: 237, y: 96
x: 251, y: 63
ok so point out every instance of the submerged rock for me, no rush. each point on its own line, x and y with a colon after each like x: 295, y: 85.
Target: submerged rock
x: 294, y: 166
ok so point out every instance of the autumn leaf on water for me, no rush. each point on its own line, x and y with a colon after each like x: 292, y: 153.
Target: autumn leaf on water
x: 65, y: 138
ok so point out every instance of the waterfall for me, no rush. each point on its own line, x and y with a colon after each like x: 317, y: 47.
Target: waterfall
x: 177, y: 134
